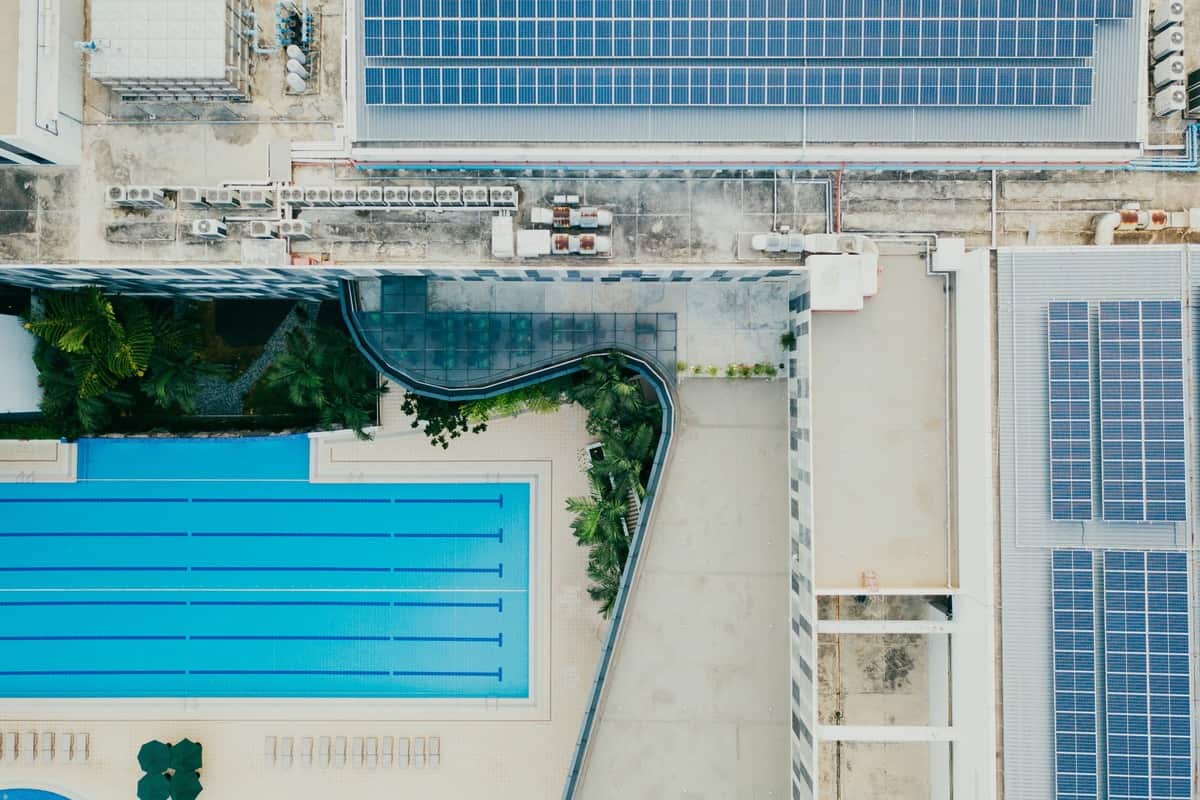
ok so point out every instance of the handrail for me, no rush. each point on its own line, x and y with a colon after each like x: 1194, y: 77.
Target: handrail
x: 656, y: 376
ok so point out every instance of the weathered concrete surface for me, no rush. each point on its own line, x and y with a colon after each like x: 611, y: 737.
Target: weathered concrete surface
x: 697, y: 699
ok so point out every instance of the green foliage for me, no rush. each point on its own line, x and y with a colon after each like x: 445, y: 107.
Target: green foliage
x: 540, y: 398
x: 441, y: 420
x: 324, y: 372
x: 788, y: 340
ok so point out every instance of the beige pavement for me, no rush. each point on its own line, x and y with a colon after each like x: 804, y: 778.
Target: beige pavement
x: 697, y: 701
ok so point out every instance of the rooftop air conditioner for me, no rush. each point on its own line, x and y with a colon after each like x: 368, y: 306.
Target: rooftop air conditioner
x: 370, y: 196
x: 395, y: 195
x: 343, y: 197
x: 475, y: 195
x: 191, y: 197
x: 1166, y: 43
x: 292, y: 196
x: 421, y: 195
x: 1170, y: 70
x: 146, y: 197
x: 208, y: 229
x: 448, y: 196
x: 260, y: 229
x: 503, y: 196
x: 1170, y: 100
x: 117, y: 196
x: 1165, y: 13
x: 295, y: 229
x: 258, y: 198
x: 222, y: 198
x: 317, y: 196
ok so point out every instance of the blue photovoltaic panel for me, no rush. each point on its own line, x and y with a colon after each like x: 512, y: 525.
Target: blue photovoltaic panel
x: 1070, y: 390
x: 1141, y: 411
x: 1147, y: 676
x: 567, y: 85
x: 1075, y: 729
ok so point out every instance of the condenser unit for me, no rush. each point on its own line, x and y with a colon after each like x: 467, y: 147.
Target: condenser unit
x: 1170, y: 100
x: 292, y: 196
x: 317, y: 195
x: 1170, y: 70
x: 146, y: 197
x: 1168, y: 42
x: 395, y: 195
x: 258, y: 198
x: 421, y: 195
x: 191, y: 197
x: 448, y: 195
x: 223, y: 198
x: 261, y: 229
x: 117, y: 196
x: 343, y: 197
x: 295, y: 229
x: 370, y: 195
x: 475, y: 195
x: 504, y: 196
x: 208, y: 229
x: 1165, y: 13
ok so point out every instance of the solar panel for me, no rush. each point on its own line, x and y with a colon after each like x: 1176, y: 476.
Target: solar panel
x: 1142, y: 411
x: 1147, y: 677
x: 559, y: 84
x: 1075, y: 729
x: 1070, y: 369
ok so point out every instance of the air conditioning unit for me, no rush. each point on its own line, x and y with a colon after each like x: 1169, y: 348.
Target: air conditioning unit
x: 395, y: 195
x: 146, y: 197
x: 258, y: 198
x: 208, y: 229
x: 566, y: 199
x: 261, y: 229
x: 370, y: 195
x: 1167, y: 43
x: 448, y: 195
x: 190, y: 197
x: 475, y: 195
x: 1165, y: 13
x: 421, y: 195
x: 223, y: 198
x: 1170, y: 100
x: 504, y: 196
x: 292, y: 196
x: 295, y: 229
x: 117, y: 196
x: 343, y: 197
x: 317, y: 196
x: 1169, y: 70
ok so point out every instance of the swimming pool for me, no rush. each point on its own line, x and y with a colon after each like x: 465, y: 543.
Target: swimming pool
x: 214, y: 568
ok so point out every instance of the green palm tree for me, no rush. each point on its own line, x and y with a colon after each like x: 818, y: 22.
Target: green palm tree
x: 605, y: 575
x: 111, y: 339
x: 625, y: 454
x: 600, y: 515
x: 609, y: 393
x: 177, y: 366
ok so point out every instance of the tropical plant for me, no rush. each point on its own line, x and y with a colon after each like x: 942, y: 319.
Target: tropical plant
x: 605, y: 575
x: 323, y: 371
x: 63, y: 407
x: 608, y: 392
x: 440, y: 420
x: 788, y: 340
x: 626, y: 451
x: 599, y: 516
x: 176, y: 365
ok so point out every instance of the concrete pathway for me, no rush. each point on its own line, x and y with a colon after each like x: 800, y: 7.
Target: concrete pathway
x: 697, y: 701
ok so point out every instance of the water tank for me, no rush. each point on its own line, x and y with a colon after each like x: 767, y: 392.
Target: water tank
x: 295, y: 83
x: 1165, y: 13
x: 1172, y: 69
x: 296, y: 68
x: 1167, y: 42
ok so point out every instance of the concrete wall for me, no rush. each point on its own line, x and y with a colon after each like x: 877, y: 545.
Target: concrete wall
x: 19, y: 390
x: 802, y: 598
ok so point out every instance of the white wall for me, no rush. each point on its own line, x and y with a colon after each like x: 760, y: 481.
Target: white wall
x: 19, y: 391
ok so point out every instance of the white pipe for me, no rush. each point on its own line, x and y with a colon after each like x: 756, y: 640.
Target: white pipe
x: 1106, y: 225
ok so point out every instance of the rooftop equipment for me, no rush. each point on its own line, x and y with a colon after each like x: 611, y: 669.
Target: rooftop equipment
x: 117, y: 196
x: 318, y: 196
x: 1170, y: 100
x: 421, y: 195
x: 370, y: 195
x: 223, y: 198
x: 258, y: 198
x: 1167, y: 42
x: 448, y: 196
x: 146, y: 197
x: 341, y: 196
x: 191, y: 197
x: 395, y: 195
x: 292, y: 196
x: 475, y: 195
x: 209, y: 229
x: 503, y: 196
x: 1165, y: 13
x: 261, y: 229
x: 295, y: 229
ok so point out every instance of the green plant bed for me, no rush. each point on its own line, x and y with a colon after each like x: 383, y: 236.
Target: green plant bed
x: 28, y: 429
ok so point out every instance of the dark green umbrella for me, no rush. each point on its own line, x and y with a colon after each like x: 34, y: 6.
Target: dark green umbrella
x: 153, y: 786
x: 186, y: 756
x: 154, y: 757
x: 185, y: 786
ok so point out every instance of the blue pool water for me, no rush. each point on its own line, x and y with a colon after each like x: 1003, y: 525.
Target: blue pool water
x: 213, y: 568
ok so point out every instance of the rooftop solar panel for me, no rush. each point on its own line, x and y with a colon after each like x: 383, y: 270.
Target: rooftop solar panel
x: 1070, y: 370
x: 1075, y: 728
x: 1147, y: 675
x: 1142, y: 411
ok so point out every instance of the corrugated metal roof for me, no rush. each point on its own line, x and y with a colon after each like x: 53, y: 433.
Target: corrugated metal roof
x: 1112, y: 117
x: 1028, y: 279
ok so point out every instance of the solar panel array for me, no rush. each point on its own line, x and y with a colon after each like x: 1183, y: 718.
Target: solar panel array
x: 1070, y: 370
x: 1142, y: 411
x: 1075, y: 724
x: 1147, y: 675
x: 711, y: 52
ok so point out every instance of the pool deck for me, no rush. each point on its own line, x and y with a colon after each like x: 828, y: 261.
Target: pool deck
x: 37, y: 461
x: 485, y: 752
